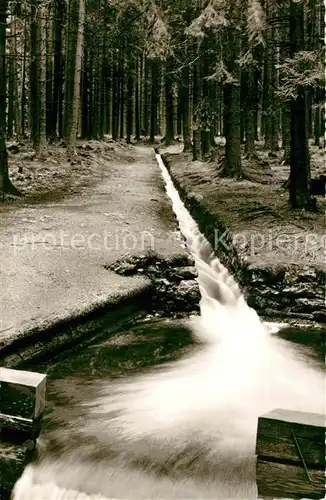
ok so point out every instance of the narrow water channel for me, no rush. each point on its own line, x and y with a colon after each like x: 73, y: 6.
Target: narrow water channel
x: 167, y: 409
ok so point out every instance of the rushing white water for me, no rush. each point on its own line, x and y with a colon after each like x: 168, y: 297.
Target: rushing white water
x: 187, y: 429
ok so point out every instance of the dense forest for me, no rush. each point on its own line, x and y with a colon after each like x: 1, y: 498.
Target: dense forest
x: 190, y: 70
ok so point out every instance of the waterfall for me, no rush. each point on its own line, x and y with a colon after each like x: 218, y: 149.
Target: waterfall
x: 220, y: 294
x: 188, y: 428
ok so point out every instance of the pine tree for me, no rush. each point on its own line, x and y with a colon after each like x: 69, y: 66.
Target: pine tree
x: 253, y: 43
x: 73, y: 120
x: 169, y: 106
x: 34, y: 75
x: 185, y: 108
x: 57, y: 108
x: 232, y: 165
x: 154, y: 99
x: 5, y: 183
x: 137, y: 101
x: 270, y: 75
x: 300, y: 161
x: 43, y: 78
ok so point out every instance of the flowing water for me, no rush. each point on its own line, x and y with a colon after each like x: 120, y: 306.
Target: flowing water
x: 185, y: 428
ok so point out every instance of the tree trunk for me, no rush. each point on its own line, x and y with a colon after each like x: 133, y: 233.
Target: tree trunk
x: 179, y: 111
x: 145, y: 97
x: 232, y: 165
x: 160, y: 113
x: 115, y: 100
x: 23, y: 83
x: 50, y: 122
x: 60, y: 116
x: 205, y: 142
x: 206, y: 124
x: 108, y: 96
x: 129, y: 103
x: 154, y: 98
x: 17, y: 70
x: 185, y: 109
x: 243, y: 107
x: 34, y: 77
x: 85, y: 103
x: 197, y: 96
x: 286, y: 132
x: 251, y: 112
x: 97, y: 86
x: 317, y: 126
x: 70, y: 69
x: 300, y: 161
x: 137, y: 105
x: 286, y: 108
x: 5, y: 183
x: 91, y: 92
x: 309, y: 114
x: 42, y: 45
x: 102, y: 57
x: 122, y: 94
x: 317, y: 26
x: 169, y: 115
x: 73, y: 124
x: 12, y: 78
x: 58, y: 66
x: 271, y: 110
x: 3, y: 150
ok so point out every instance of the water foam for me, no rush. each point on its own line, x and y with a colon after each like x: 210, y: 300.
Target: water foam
x: 198, y: 416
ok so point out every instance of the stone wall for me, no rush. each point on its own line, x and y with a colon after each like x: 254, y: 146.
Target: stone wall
x: 175, y: 289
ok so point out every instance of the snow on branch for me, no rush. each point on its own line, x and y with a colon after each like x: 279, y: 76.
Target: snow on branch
x: 158, y: 41
x: 305, y: 70
x: 256, y: 22
x: 213, y: 16
x: 222, y: 75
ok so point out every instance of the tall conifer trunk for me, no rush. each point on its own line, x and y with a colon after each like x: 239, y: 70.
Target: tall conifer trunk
x: 34, y: 76
x: 70, y: 63
x: 115, y: 97
x: 122, y: 93
x: 43, y: 84
x: 185, y: 109
x: 50, y: 123
x: 145, y: 114
x: 286, y: 108
x: 23, y: 82
x: 232, y: 164
x: 137, y: 103
x: 251, y: 111
x: 300, y: 162
x: 154, y: 99
x: 129, y: 116
x: 73, y: 123
x: 197, y: 96
x: 271, y: 116
x: 5, y: 183
x: 169, y: 115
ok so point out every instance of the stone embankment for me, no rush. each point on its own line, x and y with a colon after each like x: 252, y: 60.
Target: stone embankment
x: 277, y: 286
x: 175, y: 289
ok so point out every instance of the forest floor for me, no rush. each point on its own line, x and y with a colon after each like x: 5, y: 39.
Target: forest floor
x: 72, y: 222
x: 256, y: 213
x: 52, y: 177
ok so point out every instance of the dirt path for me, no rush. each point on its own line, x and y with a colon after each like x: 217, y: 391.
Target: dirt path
x: 52, y: 254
